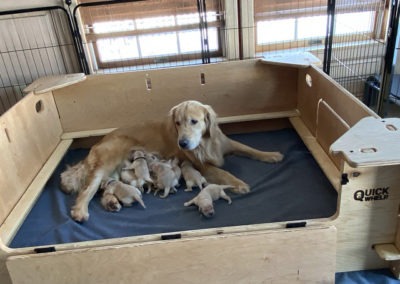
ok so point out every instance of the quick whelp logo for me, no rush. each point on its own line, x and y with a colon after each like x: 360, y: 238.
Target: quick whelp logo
x: 380, y: 193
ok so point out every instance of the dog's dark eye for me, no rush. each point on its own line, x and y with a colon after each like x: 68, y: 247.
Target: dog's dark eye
x: 193, y: 121
x: 177, y: 123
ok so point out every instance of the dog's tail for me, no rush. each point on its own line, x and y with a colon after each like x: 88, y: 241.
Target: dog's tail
x: 73, y: 178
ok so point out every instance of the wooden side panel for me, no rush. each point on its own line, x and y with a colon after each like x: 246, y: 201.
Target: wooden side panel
x: 24, y: 205
x: 304, y: 255
x: 232, y: 88
x: 349, y: 108
x: 367, y: 215
x: 320, y: 156
x: 29, y: 132
x: 330, y: 126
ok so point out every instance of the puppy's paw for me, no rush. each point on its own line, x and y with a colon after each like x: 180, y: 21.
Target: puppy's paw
x: 272, y: 157
x: 79, y: 214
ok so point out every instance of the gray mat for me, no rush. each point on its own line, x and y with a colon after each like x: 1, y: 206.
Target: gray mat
x: 294, y: 189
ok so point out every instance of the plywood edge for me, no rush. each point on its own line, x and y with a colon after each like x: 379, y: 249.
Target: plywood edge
x: 262, y: 253
x: 221, y: 120
x: 86, y: 133
x: 296, y: 59
x: 387, y: 252
x: 258, y: 116
x: 311, y: 224
x: 322, y: 158
x: 370, y: 142
x: 49, y: 83
x: 14, y: 220
x: 186, y: 236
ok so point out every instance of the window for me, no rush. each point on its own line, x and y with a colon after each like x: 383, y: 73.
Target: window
x: 153, y: 44
x: 312, y: 27
x: 291, y: 24
x: 150, y: 32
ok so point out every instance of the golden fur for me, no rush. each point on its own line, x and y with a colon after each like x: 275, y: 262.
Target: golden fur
x: 190, y: 132
x: 205, y: 199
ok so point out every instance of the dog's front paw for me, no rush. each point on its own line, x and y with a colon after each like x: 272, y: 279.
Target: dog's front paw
x: 272, y: 157
x: 79, y: 214
x: 241, y: 188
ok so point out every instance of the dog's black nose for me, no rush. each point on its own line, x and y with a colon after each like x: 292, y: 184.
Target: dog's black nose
x: 183, y: 143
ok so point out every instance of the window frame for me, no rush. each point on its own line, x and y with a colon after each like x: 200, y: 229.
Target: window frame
x: 304, y: 9
x: 89, y: 17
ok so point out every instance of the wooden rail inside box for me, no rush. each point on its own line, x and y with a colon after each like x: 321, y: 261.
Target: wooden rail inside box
x: 247, y: 96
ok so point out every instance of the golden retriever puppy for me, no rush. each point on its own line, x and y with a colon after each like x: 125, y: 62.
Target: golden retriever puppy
x: 192, y: 176
x: 175, y: 167
x: 204, y: 200
x: 189, y: 132
x: 124, y: 193
x: 110, y: 202
x: 141, y: 170
x: 165, y: 177
x: 127, y: 174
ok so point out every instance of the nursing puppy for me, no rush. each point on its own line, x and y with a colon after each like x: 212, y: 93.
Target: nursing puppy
x: 141, y: 170
x: 165, y: 178
x: 189, y: 132
x: 205, y: 199
x: 124, y: 193
x: 127, y: 174
x: 192, y: 176
x: 175, y: 167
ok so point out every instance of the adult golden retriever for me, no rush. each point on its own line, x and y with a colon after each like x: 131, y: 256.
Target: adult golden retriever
x: 190, y: 132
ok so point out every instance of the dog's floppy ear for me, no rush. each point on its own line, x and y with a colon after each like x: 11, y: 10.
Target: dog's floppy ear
x: 171, y: 116
x: 210, y: 120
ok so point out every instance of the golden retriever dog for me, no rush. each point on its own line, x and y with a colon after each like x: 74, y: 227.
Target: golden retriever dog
x: 189, y: 132
x: 205, y: 199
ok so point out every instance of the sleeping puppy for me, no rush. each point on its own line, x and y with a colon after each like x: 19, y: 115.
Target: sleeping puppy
x: 204, y: 200
x: 110, y: 202
x: 165, y: 177
x: 192, y: 176
x: 115, y: 191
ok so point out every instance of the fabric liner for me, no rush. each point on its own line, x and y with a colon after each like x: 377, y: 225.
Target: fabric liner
x: 294, y: 189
